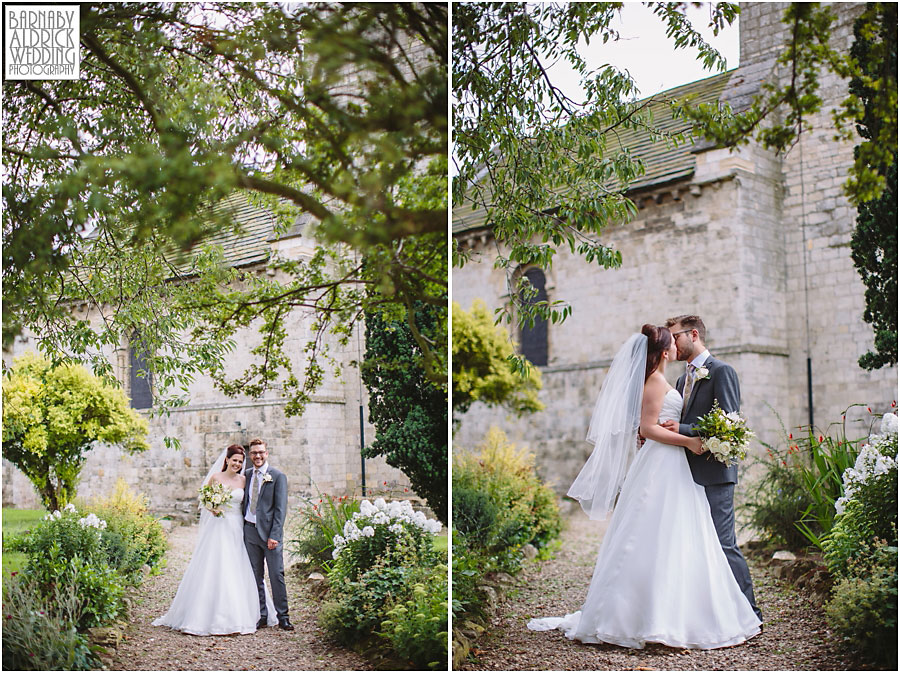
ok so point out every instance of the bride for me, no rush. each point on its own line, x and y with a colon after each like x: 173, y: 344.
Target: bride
x: 661, y: 575
x: 218, y: 593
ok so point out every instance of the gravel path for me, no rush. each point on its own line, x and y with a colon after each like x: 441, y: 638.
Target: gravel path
x: 156, y: 648
x: 795, y: 635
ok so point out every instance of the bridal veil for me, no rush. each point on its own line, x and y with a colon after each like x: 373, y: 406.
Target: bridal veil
x: 613, y: 430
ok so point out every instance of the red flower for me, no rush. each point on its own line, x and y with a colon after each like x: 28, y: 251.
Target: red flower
x: 784, y: 463
x: 869, y: 409
x: 320, y: 499
x: 385, y: 483
x: 9, y: 616
x: 405, y: 490
x: 894, y: 403
x: 821, y: 438
x: 14, y: 573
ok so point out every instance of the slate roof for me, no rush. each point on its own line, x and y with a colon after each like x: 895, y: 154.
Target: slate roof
x: 252, y: 245
x: 662, y: 163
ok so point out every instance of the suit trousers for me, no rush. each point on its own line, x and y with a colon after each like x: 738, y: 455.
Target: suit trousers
x: 721, y: 506
x: 258, y: 551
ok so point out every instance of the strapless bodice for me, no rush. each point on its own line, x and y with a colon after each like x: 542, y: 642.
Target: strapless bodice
x: 671, y: 407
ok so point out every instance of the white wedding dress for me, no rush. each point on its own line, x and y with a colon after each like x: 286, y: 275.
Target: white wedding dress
x: 217, y: 594
x: 661, y: 575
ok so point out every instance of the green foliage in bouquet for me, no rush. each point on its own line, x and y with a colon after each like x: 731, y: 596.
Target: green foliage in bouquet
x: 725, y: 436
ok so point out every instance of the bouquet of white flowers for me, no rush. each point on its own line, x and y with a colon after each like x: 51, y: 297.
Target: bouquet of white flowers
x: 213, y: 496
x: 725, y: 436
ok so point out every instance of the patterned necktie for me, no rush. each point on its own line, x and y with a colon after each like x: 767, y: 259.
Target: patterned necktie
x: 688, y: 387
x: 254, y: 495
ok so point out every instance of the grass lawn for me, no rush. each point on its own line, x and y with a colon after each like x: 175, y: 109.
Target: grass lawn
x: 440, y: 541
x: 16, y: 521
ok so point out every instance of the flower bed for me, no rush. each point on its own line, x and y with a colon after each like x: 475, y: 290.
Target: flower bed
x: 77, y: 569
x: 387, y: 583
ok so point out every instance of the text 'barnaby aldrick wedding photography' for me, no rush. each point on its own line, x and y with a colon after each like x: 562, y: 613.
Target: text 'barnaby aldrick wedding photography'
x: 41, y: 42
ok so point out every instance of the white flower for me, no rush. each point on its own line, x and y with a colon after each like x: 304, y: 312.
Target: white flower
x: 700, y: 374
x: 395, y: 528
x: 338, y: 541
x: 267, y: 478
x: 733, y: 416
x: 69, y: 508
x: 380, y: 503
x: 368, y: 531
x: 366, y: 508
x: 93, y: 521
x: 889, y: 424
x: 433, y: 526
x: 56, y: 514
x: 335, y: 553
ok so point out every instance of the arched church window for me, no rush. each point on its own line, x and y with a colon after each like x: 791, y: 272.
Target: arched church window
x: 533, y: 340
x: 140, y: 378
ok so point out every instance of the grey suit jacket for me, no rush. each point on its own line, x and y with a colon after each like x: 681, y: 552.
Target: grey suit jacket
x: 271, y: 507
x: 722, y: 385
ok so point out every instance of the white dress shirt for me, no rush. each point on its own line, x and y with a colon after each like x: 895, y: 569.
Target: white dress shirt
x: 248, y: 515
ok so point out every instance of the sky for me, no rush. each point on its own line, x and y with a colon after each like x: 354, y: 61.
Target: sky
x: 646, y: 52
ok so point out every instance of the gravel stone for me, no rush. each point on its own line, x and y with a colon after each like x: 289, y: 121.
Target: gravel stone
x: 158, y: 648
x: 795, y: 635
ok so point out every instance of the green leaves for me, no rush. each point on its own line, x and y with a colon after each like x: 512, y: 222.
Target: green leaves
x: 537, y: 167
x: 332, y: 115
x: 486, y: 369
x: 52, y: 415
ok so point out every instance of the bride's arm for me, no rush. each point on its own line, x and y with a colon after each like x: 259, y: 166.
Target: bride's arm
x: 654, y: 394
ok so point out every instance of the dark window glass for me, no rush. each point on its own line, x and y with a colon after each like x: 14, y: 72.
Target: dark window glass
x: 141, y: 386
x: 533, y: 340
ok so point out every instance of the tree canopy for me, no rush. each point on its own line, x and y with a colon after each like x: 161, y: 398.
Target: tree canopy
x: 52, y: 415
x: 334, y: 112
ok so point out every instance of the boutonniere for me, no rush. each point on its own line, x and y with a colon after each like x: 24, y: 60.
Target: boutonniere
x: 267, y: 478
x: 700, y: 374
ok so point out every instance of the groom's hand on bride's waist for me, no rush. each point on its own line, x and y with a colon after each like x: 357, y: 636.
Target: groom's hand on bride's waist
x: 671, y: 426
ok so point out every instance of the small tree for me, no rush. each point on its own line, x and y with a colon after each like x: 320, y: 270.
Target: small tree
x: 408, y: 412
x: 483, y: 367
x: 52, y: 415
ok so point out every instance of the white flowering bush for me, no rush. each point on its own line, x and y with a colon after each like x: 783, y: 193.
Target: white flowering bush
x: 379, y: 529
x: 867, y: 511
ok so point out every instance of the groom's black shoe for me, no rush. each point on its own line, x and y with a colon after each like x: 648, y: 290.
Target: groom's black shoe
x: 285, y: 624
x: 262, y: 623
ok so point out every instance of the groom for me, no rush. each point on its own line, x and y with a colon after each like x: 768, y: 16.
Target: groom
x: 264, y: 507
x: 707, y: 379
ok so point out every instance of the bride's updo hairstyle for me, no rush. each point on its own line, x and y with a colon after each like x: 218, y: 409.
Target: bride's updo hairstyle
x: 233, y: 449
x: 658, y: 341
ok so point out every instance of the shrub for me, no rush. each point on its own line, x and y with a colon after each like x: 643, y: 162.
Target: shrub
x: 863, y: 609
x: 132, y: 537
x: 868, y: 510
x: 40, y: 633
x: 356, y: 606
x: 474, y: 514
x: 794, y: 499
x: 526, y: 508
x: 320, y: 519
x: 468, y: 569
x: 382, y: 530
x: 417, y: 627
x: 65, y: 553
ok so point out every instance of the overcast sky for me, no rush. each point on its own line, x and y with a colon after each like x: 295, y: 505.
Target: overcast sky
x: 646, y: 52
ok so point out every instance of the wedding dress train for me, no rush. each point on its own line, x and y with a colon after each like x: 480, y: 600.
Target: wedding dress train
x: 661, y: 575
x: 217, y: 594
